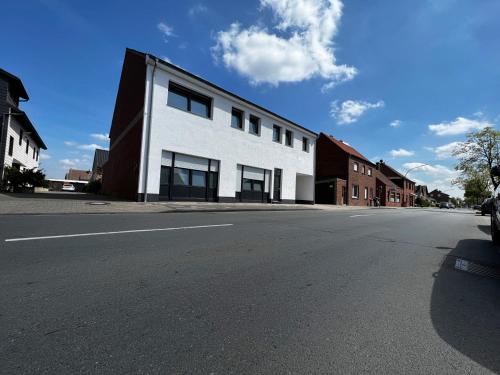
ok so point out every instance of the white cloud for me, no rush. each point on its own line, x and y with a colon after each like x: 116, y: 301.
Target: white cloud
x: 69, y: 163
x: 460, y: 125
x: 70, y: 143
x: 44, y: 156
x: 445, y: 151
x: 401, y: 153
x: 395, y: 124
x: 351, y: 110
x: 301, y: 47
x: 167, y: 31
x: 100, y: 136
x: 92, y: 146
x: 433, y: 170
x: 197, y: 9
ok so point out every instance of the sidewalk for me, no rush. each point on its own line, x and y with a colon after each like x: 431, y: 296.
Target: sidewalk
x: 80, y: 203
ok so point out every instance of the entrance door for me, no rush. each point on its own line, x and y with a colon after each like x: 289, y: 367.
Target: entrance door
x: 277, y: 184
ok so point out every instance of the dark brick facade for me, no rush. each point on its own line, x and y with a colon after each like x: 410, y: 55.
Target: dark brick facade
x: 121, y: 171
x: 405, y: 185
x: 337, y: 177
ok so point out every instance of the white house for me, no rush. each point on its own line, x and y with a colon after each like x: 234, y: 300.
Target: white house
x: 176, y: 136
x: 20, y: 143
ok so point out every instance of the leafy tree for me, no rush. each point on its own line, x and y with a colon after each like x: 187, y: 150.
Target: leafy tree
x: 15, y: 178
x: 477, y: 186
x: 481, y: 152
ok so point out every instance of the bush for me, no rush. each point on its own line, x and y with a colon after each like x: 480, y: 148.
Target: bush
x: 93, y: 187
x: 15, y: 178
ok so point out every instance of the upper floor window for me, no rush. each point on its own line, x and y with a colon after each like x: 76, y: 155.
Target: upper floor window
x: 289, y: 138
x: 305, y: 144
x: 27, y: 145
x: 237, y: 119
x: 11, y: 145
x: 276, y: 133
x: 254, y: 125
x: 356, y: 167
x: 187, y: 100
x: 369, y: 171
x: 34, y: 152
x: 363, y: 169
x: 37, y: 154
x: 21, y: 133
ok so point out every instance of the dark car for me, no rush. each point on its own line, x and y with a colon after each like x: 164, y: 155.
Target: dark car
x: 444, y: 205
x: 486, y: 206
x: 495, y: 206
x: 476, y: 207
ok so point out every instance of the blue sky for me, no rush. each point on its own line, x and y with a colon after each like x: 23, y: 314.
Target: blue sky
x: 399, y: 80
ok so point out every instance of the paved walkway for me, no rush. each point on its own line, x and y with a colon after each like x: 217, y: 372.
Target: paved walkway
x: 81, y: 203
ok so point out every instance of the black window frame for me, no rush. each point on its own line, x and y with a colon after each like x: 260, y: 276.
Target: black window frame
x: 11, y: 146
x: 305, y: 144
x: 190, y: 95
x: 235, y: 112
x: 288, y: 134
x: 21, y: 133
x: 277, y: 128
x: 250, y: 127
x: 34, y: 152
x: 27, y: 146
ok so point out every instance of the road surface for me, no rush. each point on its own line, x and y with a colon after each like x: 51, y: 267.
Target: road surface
x: 371, y: 291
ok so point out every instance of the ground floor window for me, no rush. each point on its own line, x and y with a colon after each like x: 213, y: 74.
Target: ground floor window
x: 185, y: 177
x: 253, y: 184
x: 355, y: 191
x: 366, y: 193
x: 398, y: 198
x: 392, y: 197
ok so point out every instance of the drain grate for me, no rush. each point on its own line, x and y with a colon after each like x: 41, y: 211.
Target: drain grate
x: 477, y: 269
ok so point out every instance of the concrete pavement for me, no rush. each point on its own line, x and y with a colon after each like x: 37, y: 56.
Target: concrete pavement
x: 311, y: 292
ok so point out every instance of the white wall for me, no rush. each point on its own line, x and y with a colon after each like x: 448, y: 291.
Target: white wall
x: 19, y: 151
x: 178, y: 131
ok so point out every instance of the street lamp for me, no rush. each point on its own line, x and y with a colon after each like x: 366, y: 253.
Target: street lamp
x: 411, y: 169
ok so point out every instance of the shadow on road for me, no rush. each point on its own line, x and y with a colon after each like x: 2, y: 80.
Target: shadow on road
x: 485, y: 229
x: 465, y: 308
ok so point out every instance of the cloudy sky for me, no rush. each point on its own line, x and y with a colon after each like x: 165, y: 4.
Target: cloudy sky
x: 400, y: 80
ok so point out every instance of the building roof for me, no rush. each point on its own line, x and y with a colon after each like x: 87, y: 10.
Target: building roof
x: 100, y: 158
x: 23, y: 118
x: 436, y: 191
x: 391, y: 169
x: 218, y: 88
x: 77, y: 174
x: 16, y: 82
x: 347, y: 148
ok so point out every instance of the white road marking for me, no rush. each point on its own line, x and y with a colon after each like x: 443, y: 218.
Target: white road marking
x: 115, y: 232
x: 362, y: 215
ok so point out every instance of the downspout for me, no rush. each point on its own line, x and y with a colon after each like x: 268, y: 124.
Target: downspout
x: 148, y: 128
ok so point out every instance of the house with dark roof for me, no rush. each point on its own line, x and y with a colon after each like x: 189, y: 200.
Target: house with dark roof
x: 20, y: 143
x: 439, y: 196
x: 78, y: 175
x: 343, y: 175
x: 177, y: 136
x: 406, y: 196
x: 100, y: 158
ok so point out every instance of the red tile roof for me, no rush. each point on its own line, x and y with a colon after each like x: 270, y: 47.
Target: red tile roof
x: 346, y: 148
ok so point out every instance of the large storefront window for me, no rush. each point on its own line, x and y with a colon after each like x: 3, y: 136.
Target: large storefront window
x: 254, y: 184
x: 185, y: 177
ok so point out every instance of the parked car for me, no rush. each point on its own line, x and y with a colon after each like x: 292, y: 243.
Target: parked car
x: 444, y: 205
x: 495, y: 205
x: 68, y: 187
x: 451, y: 205
x: 486, y: 206
x: 476, y: 207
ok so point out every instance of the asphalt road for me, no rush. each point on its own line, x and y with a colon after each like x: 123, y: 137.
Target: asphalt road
x: 371, y: 291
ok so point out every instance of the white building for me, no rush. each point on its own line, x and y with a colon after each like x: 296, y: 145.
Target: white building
x: 175, y: 136
x: 20, y: 143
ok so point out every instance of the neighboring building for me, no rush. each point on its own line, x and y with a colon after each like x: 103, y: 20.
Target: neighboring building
x: 439, y: 196
x: 78, y: 175
x: 100, y: 158
x: 406, y: 186
x: 343, y: 175
x: 388, y: 193
x: 20, y: 143
x: 176, y: 136
x: 422, y: 192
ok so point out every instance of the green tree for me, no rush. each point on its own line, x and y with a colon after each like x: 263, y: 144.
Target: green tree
x: 477, y: 186
x: 480, y: 153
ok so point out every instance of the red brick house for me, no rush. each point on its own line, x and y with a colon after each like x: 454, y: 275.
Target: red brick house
x: 343, y: 175
x: 405, y: 195
x: 388, y: 193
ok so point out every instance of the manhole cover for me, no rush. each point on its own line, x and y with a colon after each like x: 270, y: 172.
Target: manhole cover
x: 98, y: 203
